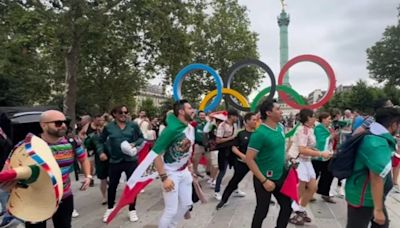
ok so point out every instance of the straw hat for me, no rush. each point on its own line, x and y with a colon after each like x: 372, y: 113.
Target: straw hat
x: 221, y: 115
x: 33, y: 163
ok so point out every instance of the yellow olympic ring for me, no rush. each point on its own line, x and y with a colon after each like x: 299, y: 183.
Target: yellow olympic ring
x: 231, y: 92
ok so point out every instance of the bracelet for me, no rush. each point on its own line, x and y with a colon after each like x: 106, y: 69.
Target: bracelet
x: 90, y: 177
x: 163, y: 177
x: 266, y: 179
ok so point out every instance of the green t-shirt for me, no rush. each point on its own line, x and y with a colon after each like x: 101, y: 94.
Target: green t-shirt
x: 270, y: 147
x: 199, y: 134
x: 374, y: 154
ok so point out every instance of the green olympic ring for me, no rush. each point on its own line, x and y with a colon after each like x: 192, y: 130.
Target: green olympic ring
x: 296, y: 96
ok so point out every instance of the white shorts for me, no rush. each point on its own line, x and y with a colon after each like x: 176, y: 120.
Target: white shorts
x: 212, y: 157
x: 305, y: 170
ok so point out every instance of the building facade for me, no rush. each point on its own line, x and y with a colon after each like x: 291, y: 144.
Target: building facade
x: 153, y: 92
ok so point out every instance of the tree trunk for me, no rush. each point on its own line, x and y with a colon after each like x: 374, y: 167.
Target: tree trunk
x: 71, y: 66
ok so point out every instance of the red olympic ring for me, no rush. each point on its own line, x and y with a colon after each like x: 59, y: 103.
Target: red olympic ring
x: 322, y: 63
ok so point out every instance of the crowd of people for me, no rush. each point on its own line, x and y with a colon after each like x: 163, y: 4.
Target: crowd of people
x: 107, y: 145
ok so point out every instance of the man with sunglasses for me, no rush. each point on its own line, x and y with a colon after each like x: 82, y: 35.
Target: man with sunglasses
x: 123, y: 136
x: 54, y: 126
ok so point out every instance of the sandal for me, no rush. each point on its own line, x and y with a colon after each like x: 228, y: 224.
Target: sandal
x: 304, y: 215
x: 297, y: 219
x: 328, y: 199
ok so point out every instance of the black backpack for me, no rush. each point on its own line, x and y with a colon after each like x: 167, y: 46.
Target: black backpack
x: 342, y: 164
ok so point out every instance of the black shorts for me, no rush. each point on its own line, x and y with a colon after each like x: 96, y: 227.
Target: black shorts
x: 101, y: 168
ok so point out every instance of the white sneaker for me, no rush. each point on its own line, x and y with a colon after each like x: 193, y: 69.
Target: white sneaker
x: 239, y: 193
x: 211, y: 183
x: 133, y: 216
x: 217, y: 196
x: 106, y: 214
x: 75, y: 214
x: 340, y: 191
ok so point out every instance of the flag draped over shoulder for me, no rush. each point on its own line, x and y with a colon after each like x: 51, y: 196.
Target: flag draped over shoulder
x: 145, y: 173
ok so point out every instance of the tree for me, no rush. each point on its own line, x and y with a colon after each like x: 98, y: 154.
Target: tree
x: 363, y: 98
x: 92, y: 54
x: 219, y: 39
x: 384, y: 56
x: 148, y: 106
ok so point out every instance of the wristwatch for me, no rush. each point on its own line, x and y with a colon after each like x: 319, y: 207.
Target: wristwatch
x: 90, y: 177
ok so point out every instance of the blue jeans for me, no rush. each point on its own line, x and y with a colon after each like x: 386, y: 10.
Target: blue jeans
x: 3, y: 201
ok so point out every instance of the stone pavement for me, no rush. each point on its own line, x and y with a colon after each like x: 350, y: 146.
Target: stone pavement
x: 237, y: 214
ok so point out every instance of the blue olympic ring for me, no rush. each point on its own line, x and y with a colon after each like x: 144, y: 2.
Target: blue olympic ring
x: 177, y: 86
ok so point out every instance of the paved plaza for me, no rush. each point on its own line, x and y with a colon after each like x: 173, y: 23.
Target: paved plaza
x: 237, y: 214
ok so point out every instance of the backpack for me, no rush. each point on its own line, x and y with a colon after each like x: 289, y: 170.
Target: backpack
x: 342, y: 164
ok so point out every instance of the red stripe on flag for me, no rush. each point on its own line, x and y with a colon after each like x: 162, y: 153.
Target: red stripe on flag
x: 290, y: 186
x: 128, y: 197
x: 144, y: 151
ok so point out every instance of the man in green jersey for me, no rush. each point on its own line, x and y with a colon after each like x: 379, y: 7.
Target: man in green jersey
x: 266, y: 159
x: 371, y: 180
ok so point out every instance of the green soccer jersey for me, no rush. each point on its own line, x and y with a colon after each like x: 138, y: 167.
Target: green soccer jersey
x: 374, y: 154
x: 199, y: 135
x: 269, y: 144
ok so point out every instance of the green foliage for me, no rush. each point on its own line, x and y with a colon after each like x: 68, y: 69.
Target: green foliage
x: 363, y: 97
x: 384, y: 56
x: 101, y: 53
x: 148, y: 106
x: 220, y: 39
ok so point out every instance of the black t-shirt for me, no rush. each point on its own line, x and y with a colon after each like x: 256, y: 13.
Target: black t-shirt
x: 242, y: 140
x: 90, y: 130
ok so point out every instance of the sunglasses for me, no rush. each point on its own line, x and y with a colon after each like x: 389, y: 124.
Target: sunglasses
x: 121, y: 112
x: 59, y: 123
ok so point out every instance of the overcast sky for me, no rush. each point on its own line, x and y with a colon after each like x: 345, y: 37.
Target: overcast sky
x: 339, y: 31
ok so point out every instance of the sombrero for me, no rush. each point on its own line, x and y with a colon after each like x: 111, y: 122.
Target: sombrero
x: 40, y: 189
x: 221, y: 115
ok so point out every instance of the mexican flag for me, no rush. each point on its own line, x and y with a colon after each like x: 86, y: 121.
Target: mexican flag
x: 145, y: 173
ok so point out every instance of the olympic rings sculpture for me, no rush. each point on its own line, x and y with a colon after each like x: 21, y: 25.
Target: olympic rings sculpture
x: 224, y: 86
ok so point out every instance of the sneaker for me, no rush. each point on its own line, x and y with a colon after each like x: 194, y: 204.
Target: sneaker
x: 340, y: 191
x: 239, y: 193
x: 106, y: 214
x: 8, y: 221
x: 217, y: 196
x: 75, y: 214
x: 211, y: 183
x: 220, y: 205
x: 328, y: 199
x: 133, y: 216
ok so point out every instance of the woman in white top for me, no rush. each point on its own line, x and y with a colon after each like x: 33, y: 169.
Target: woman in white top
x: 305, y: 142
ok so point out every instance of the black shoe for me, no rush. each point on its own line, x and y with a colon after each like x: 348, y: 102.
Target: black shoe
x: 220, y: 205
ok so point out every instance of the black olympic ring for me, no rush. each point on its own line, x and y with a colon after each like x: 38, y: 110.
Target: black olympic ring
x: 239, y: 65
